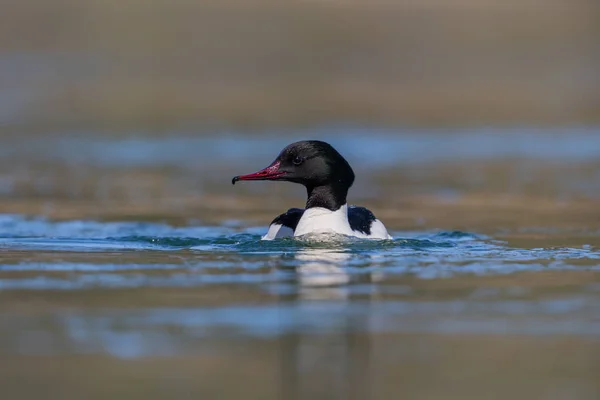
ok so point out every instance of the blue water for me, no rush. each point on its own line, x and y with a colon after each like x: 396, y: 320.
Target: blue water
x: 443, y: 282
x: 101, y: 279
x: 366, y: 147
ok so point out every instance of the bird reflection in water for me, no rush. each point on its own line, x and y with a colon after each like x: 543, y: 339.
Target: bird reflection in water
x: 324, y: 278
x: 322, y: 274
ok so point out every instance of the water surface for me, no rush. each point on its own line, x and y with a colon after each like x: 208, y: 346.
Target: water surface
x: 142, y: 273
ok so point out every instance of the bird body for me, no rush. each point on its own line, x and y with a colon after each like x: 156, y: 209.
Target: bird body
x: 327, y: 177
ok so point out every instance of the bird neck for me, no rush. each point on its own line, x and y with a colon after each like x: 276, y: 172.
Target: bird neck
x: 330, y: 196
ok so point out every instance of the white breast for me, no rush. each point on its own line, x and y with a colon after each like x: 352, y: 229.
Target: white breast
x: 322, y: 220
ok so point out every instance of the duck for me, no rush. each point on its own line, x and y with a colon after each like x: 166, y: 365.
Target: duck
x: 327, y: 177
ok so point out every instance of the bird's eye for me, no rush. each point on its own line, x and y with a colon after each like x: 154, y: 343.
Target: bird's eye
x: 297, y: 160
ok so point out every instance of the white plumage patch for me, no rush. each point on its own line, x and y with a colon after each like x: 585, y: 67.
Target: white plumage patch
x: 277, y: 231
x: 319, y: 220
x: 322, y: 220
x: 378, y: 231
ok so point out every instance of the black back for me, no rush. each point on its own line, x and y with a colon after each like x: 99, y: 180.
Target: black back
x: 360, y: 219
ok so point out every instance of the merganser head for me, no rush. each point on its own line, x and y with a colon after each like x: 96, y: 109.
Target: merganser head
x: 311, y: 163
x: 326, y: 175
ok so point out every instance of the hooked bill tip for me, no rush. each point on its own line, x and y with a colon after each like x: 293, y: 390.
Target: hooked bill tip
x: 235, y: 179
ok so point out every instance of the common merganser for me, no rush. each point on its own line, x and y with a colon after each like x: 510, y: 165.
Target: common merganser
x: 327, y: 177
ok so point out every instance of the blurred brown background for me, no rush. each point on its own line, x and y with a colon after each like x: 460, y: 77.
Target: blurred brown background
x: 171, y: 63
